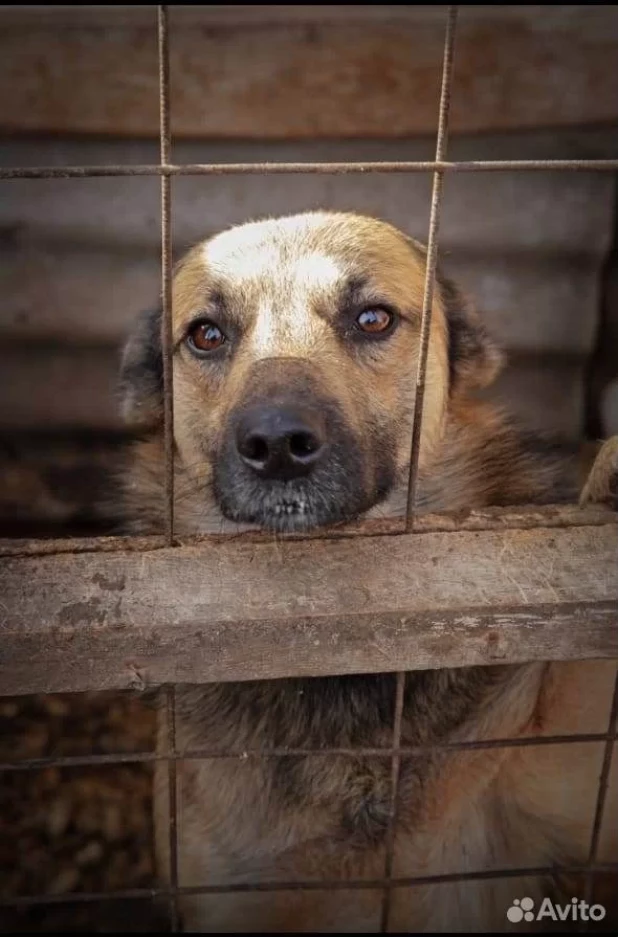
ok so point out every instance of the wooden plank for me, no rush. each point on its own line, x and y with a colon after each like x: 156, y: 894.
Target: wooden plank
x: 59, y: 388
x: 96, y: 16
x: 301, y: 80
x: 237, y: 611
x: 70, y: 293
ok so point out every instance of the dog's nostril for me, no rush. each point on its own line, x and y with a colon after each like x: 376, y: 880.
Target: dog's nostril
x: 255, y: 448
x: 302, y: 445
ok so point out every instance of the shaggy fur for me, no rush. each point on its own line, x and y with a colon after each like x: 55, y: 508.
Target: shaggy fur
x: 287, y: 293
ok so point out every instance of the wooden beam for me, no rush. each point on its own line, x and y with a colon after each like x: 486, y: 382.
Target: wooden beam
x: 221, y: 611
x: 289, y: 77
x: 209, y: 15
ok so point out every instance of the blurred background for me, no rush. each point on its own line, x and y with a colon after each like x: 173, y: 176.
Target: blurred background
x: 80, y: 258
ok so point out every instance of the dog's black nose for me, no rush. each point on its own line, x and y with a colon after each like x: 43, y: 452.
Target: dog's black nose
x: 280, y: 442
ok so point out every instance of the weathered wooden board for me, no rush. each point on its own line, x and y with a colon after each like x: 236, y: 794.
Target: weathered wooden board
x: 72, y: 294
x: 58, y: 388
x: 246, y: 610
x: 282, y: 77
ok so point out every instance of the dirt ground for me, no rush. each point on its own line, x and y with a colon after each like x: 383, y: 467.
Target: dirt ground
x: 76, y: 829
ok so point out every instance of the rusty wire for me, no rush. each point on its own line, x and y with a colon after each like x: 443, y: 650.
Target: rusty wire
x: 396, y: 752
x: 602, y: 793
x: 421, y: 376
x: 400, y: 689
x: 431, y: 264
x: 310, y: 168
x: 311, y: 885
x: 166, y: 270
x: 168, y: 425
x: 206, y: 754
x: 172, y: 806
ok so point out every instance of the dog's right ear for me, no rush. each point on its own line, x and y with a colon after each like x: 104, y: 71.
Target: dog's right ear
x: 474, y: 358
x: 141, y: 372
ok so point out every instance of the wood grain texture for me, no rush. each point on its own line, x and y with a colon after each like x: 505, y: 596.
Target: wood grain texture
x: 47, y: 387
x: 234, y: 611
x: 288, y: 78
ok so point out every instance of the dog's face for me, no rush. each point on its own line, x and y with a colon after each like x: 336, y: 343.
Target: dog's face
x: 296, y: 344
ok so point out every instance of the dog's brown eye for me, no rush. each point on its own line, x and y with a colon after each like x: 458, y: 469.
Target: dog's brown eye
x: 373, y: 321
x: 206, y: 336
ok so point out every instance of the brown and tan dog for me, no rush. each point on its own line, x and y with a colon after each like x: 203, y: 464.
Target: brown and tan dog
x: 295, y: 348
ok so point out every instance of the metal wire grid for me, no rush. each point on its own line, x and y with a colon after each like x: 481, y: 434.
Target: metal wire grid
x: 396, y: 752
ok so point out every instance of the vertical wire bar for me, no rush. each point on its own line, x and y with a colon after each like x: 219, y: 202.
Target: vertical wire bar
x: 431, y: 263
x: 168, y: 421
x: 166, y: 269
x: 394, y: 804
x: 172, y: 806
x: 602, y: 793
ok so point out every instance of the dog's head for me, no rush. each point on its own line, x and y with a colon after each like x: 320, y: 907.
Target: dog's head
x: 296, y: 344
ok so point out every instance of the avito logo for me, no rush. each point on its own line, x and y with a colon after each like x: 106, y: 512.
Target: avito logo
x: 523, y: 909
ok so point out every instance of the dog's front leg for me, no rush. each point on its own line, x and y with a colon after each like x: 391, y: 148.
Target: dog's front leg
x: 601, y: 486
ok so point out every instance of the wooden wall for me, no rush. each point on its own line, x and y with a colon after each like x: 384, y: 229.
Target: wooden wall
x: 80, y: 258
x: 307, y: 72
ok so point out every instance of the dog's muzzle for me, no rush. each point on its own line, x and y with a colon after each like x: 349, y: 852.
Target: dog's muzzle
x: 288, y: 459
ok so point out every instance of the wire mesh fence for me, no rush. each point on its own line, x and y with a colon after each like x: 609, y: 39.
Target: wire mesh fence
x: 396, y: 752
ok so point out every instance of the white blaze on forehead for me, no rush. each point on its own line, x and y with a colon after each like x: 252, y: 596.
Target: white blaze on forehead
x: 287, y: 286
x: 238, y: 257
x: 286, y: 320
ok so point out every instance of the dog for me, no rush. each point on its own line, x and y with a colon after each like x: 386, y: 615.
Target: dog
x: 295, y: 345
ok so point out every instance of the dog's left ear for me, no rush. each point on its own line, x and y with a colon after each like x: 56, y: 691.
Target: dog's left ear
x: 141, y: 372
x: 474, y: 359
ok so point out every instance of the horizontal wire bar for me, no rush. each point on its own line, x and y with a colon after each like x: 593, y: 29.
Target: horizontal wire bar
x: 314, y: 885
x: 528, y: 517
x: 209, y: 754
x: 335, y: 168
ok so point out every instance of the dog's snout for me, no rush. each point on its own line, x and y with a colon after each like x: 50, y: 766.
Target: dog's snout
x: 280, y: 443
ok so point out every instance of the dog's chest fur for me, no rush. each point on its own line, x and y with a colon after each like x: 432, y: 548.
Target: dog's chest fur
x: 340, y: 713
